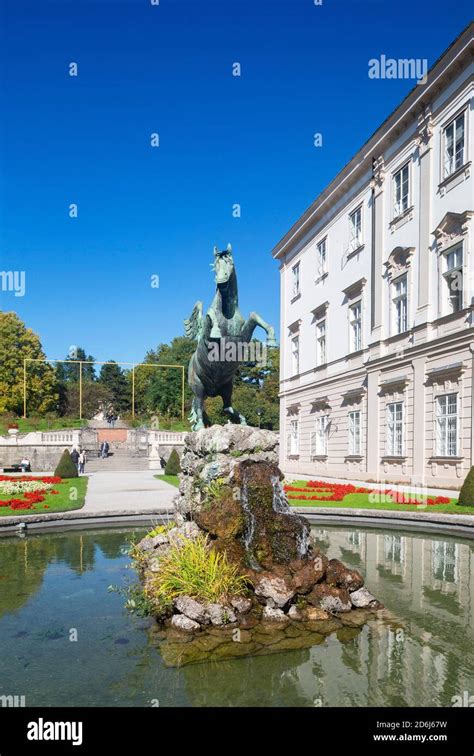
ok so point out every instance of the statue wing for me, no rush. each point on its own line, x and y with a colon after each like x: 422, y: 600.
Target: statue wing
x: 194, y: 325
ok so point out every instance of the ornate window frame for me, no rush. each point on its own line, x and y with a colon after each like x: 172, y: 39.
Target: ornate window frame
x: 399, y: 265
x: 453, y: 230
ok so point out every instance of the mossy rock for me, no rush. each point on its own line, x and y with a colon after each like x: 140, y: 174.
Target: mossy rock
x: 304, y: 641
x: 294, y: 630
x: 347, y: 634
x: 233, y: 649
x: 355, y: 618
x: 268, y: 639
x: 210, y: 642
x: 222, y: 517
x: 325, y: 627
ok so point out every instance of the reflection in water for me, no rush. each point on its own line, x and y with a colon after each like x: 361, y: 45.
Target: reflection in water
x: 418, y: 653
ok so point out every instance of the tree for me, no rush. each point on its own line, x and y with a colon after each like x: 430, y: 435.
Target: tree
x: 69, y: 371
x: 466, y: 495
x: 159, y: 389
x: 114, y: 379
x: 94, y: 396
x: 18, y: 342
x: 255, y: 394
x: 66, y: 467
x: 173, y: 466
x: 247, y: 400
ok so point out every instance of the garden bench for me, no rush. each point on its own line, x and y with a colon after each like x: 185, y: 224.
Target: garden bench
x: 12, y: 469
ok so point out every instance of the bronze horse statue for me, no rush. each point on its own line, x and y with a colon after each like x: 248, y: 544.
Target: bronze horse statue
x: 223, y: 322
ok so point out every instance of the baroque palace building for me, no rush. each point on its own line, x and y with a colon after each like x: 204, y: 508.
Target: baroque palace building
x: 377, y: 299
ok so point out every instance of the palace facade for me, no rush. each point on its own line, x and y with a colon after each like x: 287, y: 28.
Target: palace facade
x: 377, y: 299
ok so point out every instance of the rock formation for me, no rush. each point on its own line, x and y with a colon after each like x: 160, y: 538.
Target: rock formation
x: 231, y: 490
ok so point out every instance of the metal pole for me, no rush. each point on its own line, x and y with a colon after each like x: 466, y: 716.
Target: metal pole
x: 24, y: 388
x: 182, y: 394
x: 80, y: 390
x: 133, y: 392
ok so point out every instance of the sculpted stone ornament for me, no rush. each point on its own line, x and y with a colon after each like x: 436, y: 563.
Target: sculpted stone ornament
x: 223, y: 337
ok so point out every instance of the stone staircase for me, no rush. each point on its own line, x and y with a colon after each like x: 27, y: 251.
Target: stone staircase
x: 120, y: 459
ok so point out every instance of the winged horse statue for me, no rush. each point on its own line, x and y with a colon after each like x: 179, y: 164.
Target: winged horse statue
x: 208, y: 376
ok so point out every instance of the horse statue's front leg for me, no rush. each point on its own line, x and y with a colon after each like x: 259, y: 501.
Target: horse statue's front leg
x: 250, y: 325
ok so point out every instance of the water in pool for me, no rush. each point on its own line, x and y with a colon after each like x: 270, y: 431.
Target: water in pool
x: 53, y: 589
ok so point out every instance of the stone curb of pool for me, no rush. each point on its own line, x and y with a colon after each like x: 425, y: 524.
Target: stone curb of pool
x: 364, y: 517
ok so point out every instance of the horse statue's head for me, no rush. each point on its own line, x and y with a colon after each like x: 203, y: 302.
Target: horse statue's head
x: 223, y: 265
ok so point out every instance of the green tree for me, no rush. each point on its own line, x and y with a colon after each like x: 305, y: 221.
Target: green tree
x: 18, y: 342
x: 114, y: 379
x: 66, y: 467
x: 159, y: 389
x: 94, y: 396
x: 173, y: 466
x: 466, y: 494
x: 255, y: 394
x: 68, y: 372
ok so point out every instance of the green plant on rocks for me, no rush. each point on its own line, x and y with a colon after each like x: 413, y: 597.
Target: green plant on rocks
x: 161, y: 529
x: 192, y: 568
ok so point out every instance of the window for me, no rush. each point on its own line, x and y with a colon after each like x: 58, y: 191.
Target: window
x: 355, y: 327
x: 321, y: 342
x: 453, y: 263
x: 355, y: 229
x: 447, y: 425
x: 354, y: 433
x: 295, y: 355
x: 394, y: 549
x: 400, y: 305
x: 401, y: 190
x: 294, y: 437
x: 322, y: 265
x: 296, y: 280
x: 321, y: 437
x: 445, y: 561
x: 454, y: 145
x: 395, y: 429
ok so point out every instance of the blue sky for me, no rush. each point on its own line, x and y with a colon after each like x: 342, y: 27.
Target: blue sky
x: 146, y: 211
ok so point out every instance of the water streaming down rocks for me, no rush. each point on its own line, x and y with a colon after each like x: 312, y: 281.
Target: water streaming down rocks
x: 231, y: 489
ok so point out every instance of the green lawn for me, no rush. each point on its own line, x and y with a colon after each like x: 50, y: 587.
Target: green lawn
x: 60, y: 502
x: 173, y: 480
x: 25, y: 425
x: 362, y: 501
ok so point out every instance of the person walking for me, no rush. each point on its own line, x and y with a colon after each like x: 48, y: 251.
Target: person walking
x: 82, y: 461
x: 75, y: 457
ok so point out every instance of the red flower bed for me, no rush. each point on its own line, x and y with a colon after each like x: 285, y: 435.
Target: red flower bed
x: 338, y: 491
x: 30, y: 498
x: 41, y: 479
